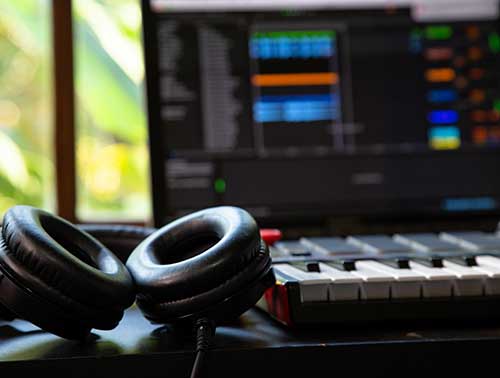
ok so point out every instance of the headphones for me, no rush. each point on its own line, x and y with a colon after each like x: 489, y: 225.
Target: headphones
x: 210, y: 265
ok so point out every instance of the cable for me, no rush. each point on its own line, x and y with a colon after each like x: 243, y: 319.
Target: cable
x: 205, y: 331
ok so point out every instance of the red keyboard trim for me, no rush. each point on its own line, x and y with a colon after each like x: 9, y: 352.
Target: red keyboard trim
x: 277, y: 303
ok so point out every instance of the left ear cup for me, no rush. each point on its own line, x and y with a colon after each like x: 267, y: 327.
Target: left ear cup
x: 58, y: 277
x: 209, y: 264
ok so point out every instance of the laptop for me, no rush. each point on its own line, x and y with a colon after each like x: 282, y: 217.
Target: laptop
x: 326, y: 116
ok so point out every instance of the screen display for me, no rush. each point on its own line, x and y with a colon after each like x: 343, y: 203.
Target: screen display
x: 312, y: 108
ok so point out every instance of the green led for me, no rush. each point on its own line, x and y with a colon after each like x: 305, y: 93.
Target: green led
x: 438, y: 32
x: 220, y: 185
x: 290, y: 13
x: 494, y: 42
x: 496, y: 105
x: 416, y: 33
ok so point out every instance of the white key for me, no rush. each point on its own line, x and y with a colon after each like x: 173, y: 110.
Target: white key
x: 344, y: 287
x: 398, y: 274
x: 483, y: 266
x: 472, y: 240
x: 377, y: 244
x: 491, y: 266
x: 330, y: 245
x: 425, y: 242
x: 376, y: 284
x: 439, y: 282
x: 488, y: 260
x: 314, y: 286
x: 407, y: 283
x: 469, y: 281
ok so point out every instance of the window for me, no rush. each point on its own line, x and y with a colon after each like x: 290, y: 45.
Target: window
x: 111, y: 134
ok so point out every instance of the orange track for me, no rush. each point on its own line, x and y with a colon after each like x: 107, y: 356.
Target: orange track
x: 294, y: 79
x: 438, y: 75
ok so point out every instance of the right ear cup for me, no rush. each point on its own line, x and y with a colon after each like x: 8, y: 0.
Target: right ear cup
x: 58, y: 277
x: 210, y: 264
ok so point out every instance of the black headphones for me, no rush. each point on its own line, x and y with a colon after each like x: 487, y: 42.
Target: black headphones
x: 210, y: 265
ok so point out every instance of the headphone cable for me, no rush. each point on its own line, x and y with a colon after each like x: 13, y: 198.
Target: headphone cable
x: 205, y: 331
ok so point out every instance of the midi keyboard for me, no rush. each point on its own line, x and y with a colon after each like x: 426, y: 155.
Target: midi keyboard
x: 376, y: 278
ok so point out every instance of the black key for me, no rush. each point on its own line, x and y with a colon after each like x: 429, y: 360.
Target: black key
x: 431, y: 261
x: 463, y: 260
x: 397, y: 263
x: 347, y: 265
x: 309, y: 266
x: 313, y: 267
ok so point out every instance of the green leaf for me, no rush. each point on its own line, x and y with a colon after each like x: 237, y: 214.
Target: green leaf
x: 109, y: 96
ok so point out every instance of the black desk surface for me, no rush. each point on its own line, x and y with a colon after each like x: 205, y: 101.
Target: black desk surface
x: 253, y: 346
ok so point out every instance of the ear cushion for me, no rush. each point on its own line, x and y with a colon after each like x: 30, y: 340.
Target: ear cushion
x: 65, y: 267
x: 197, y: 261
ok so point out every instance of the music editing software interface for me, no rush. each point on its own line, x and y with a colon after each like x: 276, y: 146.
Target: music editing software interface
x: 296, y: 107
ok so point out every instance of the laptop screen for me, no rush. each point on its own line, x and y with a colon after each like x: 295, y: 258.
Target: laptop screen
x: 316, y: 108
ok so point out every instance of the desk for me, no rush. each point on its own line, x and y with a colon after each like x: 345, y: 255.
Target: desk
x: 254, y: 346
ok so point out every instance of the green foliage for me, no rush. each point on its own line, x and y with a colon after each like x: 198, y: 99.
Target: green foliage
x: 26, y: 173
x: 104, y: 90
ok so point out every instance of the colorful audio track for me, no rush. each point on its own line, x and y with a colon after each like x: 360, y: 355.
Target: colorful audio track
x: 308, y: 91
x: 292, y: 44
x: 296, y: 108
x: 460, y: 71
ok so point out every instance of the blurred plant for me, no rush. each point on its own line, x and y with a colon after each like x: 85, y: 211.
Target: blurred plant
x: 26, y: 171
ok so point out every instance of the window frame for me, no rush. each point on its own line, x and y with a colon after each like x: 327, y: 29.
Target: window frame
x: 64, y: 108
